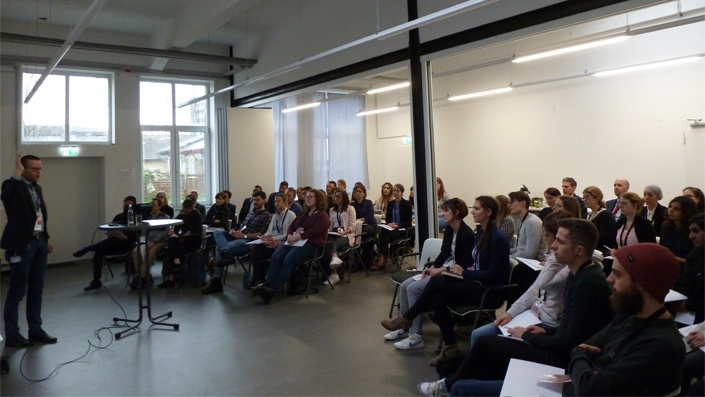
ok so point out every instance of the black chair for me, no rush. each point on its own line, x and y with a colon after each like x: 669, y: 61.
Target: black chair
x: 401, y: 247
x: 312, y: 263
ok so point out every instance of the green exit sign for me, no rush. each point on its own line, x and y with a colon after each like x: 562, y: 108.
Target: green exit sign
x: 69, y: 151
x: 406, y: 140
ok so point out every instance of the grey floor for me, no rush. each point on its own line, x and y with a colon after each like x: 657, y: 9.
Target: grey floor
x: 228, y: 344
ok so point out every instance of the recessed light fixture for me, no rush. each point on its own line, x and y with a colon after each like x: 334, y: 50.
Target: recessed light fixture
x: 375, y: 111
x: 646, y: 66
x: 478, y: 94
x: 389, y: 88
x: 574, y: 48
x: 306, y: 106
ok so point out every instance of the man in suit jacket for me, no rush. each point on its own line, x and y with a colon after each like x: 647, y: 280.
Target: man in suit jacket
x: 26, y: 243
x: 621, y: 185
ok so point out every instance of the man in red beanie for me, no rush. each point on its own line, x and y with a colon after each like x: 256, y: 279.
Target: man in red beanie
x: 640, y: 352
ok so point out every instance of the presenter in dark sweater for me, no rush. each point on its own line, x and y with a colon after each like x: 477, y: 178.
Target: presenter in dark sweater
x: 398, y: 217
x: 586, y: 311
x: 640, y: 353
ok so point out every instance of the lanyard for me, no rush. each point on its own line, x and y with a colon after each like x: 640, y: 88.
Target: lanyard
x: 35, y: 197
x: 340, y: 220
x: 623, y: 241
x: 281, y: 225
x: 522, y: 224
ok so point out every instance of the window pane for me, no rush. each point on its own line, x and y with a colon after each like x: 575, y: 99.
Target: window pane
x: 192, y: 164
x: 155, y: 103
x: 89, y: 109
x: 156, y: 153
x: 193, y: 114
x: 44, y: 117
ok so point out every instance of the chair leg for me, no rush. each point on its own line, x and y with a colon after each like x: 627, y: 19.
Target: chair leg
x: 394, y: 299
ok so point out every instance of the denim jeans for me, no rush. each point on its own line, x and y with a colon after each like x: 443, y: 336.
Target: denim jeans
x: 284, y: 260
x: 410, y: 292
x: 487, y: 329
x: 474, y: 387
x: 26, y: 277
x: 225, y: 242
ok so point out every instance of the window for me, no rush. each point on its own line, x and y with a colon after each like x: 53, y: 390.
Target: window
x: 74, y: 102
x: 174, y: 149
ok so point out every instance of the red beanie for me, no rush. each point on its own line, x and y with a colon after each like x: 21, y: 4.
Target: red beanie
x: 652, y: 266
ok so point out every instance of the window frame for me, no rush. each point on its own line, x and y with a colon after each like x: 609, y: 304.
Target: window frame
x: 67, y: 73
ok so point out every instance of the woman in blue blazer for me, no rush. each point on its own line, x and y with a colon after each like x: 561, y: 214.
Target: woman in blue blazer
x: 489, y: 267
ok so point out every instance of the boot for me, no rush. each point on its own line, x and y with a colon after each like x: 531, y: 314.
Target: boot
x: 446, y: 352
x: 381, y: 263
x: 397, y: 323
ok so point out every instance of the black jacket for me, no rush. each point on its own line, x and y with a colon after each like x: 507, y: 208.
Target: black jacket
x: 463, y: 246
x: 645, y: 233
x: 404, y: 213
x: 607, y: 229
x: 21, y: 215
x: 244, y: 210
x: 657, y: 220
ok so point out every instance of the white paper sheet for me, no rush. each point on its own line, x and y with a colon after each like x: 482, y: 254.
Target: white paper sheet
x: 674, y: 296
x: 523, y: 319
x: 685, y: 331
x: 522, y: 380
x: 685, y: 317
x: 258, y: 241
x: 532, y: 263
x: 300, y: 243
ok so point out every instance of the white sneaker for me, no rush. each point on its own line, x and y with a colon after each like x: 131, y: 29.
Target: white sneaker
x: 335, y: 262
x: 413, y: 341
x: 333, y: 278
x: 433, y: 389
x: 394, y: 335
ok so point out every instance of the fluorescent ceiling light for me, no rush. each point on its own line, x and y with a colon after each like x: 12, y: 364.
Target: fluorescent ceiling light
x: 481, y: 93
x: 306, y: 106
x: 646, y: 66
x: 570, y: 49
x: 389, y: 88
x: 375, y: 111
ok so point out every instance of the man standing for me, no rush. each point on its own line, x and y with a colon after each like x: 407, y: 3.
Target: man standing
x: 640, y: 353
x: 26, y: 243
x: 569, y: 185
x: 530, y: 242
x: 621, y: 185
x: 234, y: 242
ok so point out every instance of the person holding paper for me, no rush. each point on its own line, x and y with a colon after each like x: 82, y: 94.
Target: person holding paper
x: 306, y: 234
x: 456, y: 248
x: 398, y: 217
x: 488, y: 266
x: 272, y: 239
x: 342, y: 221
x: 586, y: 311
x: 694, y: 366
x: 545, y: 296
x: 234, y: 242
x: 640, y: 352
x: 691, y: 283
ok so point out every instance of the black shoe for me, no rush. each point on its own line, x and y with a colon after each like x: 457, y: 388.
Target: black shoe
x: 215, y: 286
x: 135, y: 283
x: 18, y: 341
x: 267, y: 294
x: 225, y: 260
x: 151, y: 281
x: 166, y: 284
x: 95, y: 284
x: 42, y: 337
x: 79, y: 253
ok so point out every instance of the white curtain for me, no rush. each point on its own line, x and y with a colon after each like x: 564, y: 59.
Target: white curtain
x: 313, y: 146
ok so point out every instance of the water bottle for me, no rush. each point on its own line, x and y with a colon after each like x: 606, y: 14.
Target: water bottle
x: 246, y: 280
x: 130, y: 216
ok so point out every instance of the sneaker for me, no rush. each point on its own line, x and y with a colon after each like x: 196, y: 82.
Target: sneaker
x: 333, y: 279
x: 447, y: 351
x: 433, y: 389
x: 413, y: 341
x: 394, y: 335
x: 335, y: 262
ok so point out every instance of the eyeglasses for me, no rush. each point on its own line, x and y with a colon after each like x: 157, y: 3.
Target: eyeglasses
x: 310, y: 197
x: 36, y: 169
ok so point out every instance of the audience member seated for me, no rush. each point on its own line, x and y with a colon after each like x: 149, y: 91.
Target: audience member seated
x: 117, y: 243
x: 691, y: 283
x: 530, y: 242
x: 184, y: 239
x: 601, y: 218
x: 653, y: 211
x: 569, y: 185
x: 399, y: 220
x: 166, y: 208
x: 310, y: 228
x: 551, y: 195
x: 621, y: 185
x: 275, y: 236
x: 456, y: 249
x: 219, y: 213
x: 586, y: 311
x: 697, y: 196
x: 545, y: 296
x: 234, y: 243
x: 247, y: 204
x: 196, y: 205
x: 570, y: 205
x: 386, y: 197
x: 300, y: 196
x: 330, y: 188
x: 342, y: 221
x: 674, y: 232
x: 156, y: 243
x: 283, y: 185
x: 232, y: 210
x: 411, y: 197
x: 631, y: 227
x: 291, y: 201
x: 442, y: 195
x: 342, y: 185
x: 365, y: 212
x: 640, y: 352
x: 489, y: 266
x: 694, y: 365
x: 504, y: 219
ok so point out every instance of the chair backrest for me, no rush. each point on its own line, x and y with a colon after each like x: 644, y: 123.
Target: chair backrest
x: 204, y: 230
x: 513, y: 263
x: 378, y: 218
x: 431, y: 249
x: 358, y: 232
x: 513, y: 241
